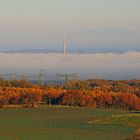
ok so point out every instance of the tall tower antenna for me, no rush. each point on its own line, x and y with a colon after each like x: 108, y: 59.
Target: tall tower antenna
x: 65, y: 44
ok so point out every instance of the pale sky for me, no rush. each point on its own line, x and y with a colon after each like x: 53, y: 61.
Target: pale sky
x: 90, y: 25
x: 99, y: 27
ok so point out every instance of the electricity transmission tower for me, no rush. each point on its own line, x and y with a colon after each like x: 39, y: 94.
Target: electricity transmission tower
x: 10, y: 76
x: 67, y: 77
x: 42, y: 77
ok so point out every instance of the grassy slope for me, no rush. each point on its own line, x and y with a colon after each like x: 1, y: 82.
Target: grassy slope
x: 65, y: 123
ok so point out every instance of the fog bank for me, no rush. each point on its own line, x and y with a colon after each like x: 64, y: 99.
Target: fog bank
x: 96, y: 65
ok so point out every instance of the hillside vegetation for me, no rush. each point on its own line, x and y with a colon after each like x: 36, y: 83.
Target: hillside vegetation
x: 90, y: 93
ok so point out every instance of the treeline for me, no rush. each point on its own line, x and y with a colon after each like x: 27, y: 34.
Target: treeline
x: 90, y: 93
x: 123, y: 86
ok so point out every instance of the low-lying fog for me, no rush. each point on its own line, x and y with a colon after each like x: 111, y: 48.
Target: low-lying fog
x: 97, y: 65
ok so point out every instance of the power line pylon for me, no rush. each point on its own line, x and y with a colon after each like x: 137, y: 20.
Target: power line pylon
x: 42, y: 77
x: 67, y: 77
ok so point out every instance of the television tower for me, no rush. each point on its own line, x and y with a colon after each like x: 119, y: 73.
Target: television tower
x: 65, y: 44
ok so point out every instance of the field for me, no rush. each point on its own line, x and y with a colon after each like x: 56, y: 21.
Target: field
x: 67, y: 123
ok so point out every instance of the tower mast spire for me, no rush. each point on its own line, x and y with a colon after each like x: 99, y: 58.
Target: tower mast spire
x: 65, y: 44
